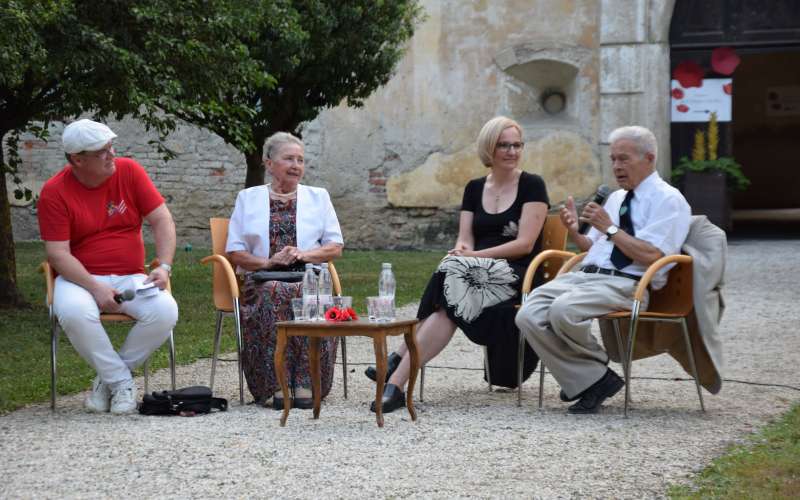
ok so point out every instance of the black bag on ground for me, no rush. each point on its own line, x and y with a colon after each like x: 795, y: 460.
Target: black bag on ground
x: 192, y: 400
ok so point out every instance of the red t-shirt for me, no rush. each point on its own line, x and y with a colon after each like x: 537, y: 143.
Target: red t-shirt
x: 104, y: 224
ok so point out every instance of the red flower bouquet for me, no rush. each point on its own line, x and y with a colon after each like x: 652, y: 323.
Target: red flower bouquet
x: 335, y: 314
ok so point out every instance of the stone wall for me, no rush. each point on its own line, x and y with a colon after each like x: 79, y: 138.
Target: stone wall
x: 396, y: 167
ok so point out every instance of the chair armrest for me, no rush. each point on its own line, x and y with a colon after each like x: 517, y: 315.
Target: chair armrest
x: 654, y: 268
x: 527, y: 282
x: 49, y: 281
x: 227, y: 270
x: 568, y: 265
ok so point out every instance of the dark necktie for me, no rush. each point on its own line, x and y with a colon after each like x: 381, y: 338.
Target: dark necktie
x: 618, y: 258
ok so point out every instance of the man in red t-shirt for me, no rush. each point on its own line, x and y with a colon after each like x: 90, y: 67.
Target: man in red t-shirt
x: 90, y: 218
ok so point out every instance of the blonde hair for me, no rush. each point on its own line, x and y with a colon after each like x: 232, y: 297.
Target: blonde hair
x: 277, y: 140
x: 642, y: 137
x: 490, y: 133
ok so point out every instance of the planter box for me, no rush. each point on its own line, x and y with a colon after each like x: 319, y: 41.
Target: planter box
x: 707, y: 194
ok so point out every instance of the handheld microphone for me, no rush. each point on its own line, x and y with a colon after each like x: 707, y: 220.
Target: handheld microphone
x: 600, y: 197
x: 124, y: 296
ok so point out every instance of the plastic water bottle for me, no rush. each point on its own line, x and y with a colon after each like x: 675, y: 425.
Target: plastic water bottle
x: 310, y: 289
x: 386, y: 289
x: 325, y: 289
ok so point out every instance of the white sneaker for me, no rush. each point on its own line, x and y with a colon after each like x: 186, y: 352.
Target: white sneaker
x: 123, y: 397
x: 99, y: 400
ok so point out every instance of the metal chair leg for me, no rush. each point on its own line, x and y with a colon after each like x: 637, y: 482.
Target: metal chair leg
x: 486, y: 367
x: 691, y: 362
x: 631, y: 342
x: 422, y: 384
x: 146, y: 375
x: 215, y: 354
x: 53, y: 357
x: 623, y: 355
x: 542, y: 371
x: 238, y: 323
x: 520, y: 362
x: 343, y: 340
x: 172, y: 359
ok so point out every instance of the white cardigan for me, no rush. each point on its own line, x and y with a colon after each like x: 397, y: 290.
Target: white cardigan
x: 317, y: 224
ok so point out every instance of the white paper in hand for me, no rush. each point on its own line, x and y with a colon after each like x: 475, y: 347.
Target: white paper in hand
x: 147, y: 290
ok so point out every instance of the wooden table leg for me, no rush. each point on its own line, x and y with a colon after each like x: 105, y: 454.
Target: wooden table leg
x: 411, y: 343
x: 379, y: 345
x: 280, y: 371
x: 313, y: 361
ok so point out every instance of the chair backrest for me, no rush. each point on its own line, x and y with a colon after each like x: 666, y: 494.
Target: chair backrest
x: 554, y: 234
x: 676, y: 296
x: 222, y: 296
x: 554, y: 237
x: 223, y: 300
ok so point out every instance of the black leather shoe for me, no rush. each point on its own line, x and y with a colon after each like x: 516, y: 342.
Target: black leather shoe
x: 563, y: 396
x: 393, y: 398
x: 601, y: 390
x: 303, y: 403
x: 394, y: 362
x: 277, y: 404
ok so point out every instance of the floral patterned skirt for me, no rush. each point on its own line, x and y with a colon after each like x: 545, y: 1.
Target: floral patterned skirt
x: 480, y: 296
x: 263, y: 305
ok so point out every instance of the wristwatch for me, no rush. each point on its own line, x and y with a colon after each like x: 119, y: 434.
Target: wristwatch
x: 611, y: 231
x: 167, y: 268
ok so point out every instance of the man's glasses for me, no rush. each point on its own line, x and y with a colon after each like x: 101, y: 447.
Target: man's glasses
x: 506, y: 146
x: 102, y: 154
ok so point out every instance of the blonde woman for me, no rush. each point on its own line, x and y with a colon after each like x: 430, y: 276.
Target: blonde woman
x: 477, y: 285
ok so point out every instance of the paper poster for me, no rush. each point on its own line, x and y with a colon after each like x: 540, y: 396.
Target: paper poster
x: 696, y: 104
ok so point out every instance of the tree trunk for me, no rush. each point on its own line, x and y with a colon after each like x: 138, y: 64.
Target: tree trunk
x: 255, y: 166
x: 9, y: 293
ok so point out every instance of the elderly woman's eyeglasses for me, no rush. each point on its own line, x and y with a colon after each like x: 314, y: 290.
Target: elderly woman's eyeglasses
x: 506, y: 146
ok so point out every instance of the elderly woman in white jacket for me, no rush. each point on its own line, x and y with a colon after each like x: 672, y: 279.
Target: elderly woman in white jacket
x: 281, y: 226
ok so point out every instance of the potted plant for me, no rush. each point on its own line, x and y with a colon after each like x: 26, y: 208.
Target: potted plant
x: 707, y: 180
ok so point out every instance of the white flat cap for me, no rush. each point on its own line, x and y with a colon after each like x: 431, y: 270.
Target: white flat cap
x: 85, y: 135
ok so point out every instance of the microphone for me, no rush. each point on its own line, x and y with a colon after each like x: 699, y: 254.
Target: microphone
x: 600, y: 197
x: 124, y: 296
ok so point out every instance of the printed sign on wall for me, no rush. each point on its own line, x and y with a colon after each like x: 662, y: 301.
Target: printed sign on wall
x: 696, y: 104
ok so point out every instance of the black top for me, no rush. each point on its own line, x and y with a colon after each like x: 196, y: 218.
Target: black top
x: 491, y: 230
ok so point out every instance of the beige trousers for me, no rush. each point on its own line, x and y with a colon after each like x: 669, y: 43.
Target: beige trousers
x: 556, y: 320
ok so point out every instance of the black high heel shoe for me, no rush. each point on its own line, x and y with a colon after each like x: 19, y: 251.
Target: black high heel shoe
x: 393, y: 398
x: 394, y: 362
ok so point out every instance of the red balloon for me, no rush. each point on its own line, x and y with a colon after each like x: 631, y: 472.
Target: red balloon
x: 724, y: 60
x: 688, y: 74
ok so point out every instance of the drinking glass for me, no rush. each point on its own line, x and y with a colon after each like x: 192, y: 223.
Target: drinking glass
x: 297, y: 309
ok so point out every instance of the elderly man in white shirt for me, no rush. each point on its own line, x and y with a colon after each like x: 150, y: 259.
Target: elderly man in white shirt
x: 637, y: 225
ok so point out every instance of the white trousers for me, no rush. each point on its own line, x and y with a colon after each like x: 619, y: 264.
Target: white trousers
x: 79, y: 316
x: 557, y: 318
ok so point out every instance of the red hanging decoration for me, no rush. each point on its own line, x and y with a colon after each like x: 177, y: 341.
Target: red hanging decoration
x: 724, y: 60
x: 688, y: 74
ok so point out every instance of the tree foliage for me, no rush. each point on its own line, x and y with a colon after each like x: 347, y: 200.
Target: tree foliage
x: 62, y: 58
x: 320, y: 53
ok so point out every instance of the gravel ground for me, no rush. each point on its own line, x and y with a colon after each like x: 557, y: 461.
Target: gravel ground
x: 467, y: 442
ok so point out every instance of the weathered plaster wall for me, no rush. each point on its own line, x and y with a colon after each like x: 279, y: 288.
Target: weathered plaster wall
x: 396, y: 167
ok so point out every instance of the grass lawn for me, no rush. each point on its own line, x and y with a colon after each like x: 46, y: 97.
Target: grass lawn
x: 767, y: 466
x: 25, y: 350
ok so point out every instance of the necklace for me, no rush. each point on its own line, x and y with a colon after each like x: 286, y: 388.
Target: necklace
x: 283, y: 195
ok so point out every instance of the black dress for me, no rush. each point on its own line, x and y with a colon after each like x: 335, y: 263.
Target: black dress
x: 480, y: 294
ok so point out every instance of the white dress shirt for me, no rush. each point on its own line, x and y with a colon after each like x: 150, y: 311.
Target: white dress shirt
x: 248, y: 230
x: 660, y: 217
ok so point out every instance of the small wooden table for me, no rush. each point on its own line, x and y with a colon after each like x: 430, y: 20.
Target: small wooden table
x: 318, y: 329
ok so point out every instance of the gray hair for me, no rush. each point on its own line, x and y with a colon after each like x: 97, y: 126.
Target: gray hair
x: 642, y: 137
x: 277, y: 140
